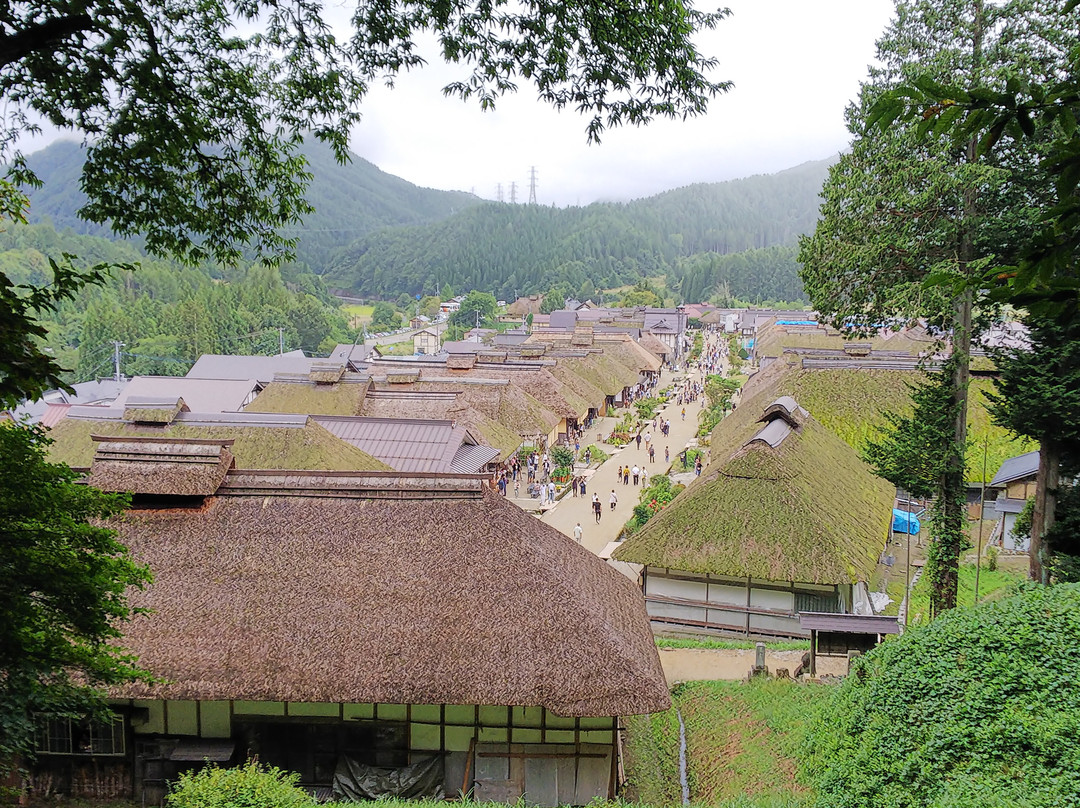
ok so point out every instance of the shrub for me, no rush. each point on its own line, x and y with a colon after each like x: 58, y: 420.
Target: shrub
x: 991, y: 559
x: 249, y: 786
x: 979, y: 707
x: 596, y: 454
x: 562, y: 455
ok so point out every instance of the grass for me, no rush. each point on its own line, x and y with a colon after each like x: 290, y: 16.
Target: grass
x: 358, y: 314
x: 742, y: 743
x: 992, y: 586
x: 731, y: 645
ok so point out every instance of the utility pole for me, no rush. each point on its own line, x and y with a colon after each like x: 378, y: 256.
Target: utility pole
x: 281, y: 340
x: 532, y: 185
x: 117, y: 375
x: 513, y: 193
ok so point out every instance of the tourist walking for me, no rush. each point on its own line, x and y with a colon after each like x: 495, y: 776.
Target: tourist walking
x: 667, y: 455
x: 644, y: 478
x: 639, y: 440
x: 577, y: 532
x: 597, y: 507
x: 637, y: 473
x: 626, y: 475
x: 551, y: 492
x: 614, y: 499
x: 652, y: 453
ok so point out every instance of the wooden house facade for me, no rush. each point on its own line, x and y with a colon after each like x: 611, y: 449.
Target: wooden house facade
x: 345, y: 624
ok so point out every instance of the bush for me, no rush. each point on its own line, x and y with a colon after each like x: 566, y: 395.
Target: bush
x: 991, y: 559
x: 562, y: 455
x: 249, y: 786
x: 596, y: 454
x: 980, y: 707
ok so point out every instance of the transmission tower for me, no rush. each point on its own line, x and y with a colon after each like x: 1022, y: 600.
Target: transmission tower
x: 498, y: 192
x: 513, y: 193
x: 532, y: 185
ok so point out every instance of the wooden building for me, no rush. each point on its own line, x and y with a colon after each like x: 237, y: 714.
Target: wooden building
x: 785, y: 519
x: 329, y: 622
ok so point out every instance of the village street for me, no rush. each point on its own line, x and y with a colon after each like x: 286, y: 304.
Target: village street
x: 571, y: 510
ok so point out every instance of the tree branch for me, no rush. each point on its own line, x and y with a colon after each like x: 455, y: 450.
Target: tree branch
x: 41, y: 36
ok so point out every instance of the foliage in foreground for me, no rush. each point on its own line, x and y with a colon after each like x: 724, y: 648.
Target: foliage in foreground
x: 980, y: 707
x: 63, y: 590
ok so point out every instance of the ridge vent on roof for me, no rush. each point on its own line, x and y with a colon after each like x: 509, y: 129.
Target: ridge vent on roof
x: 326, y: 372
x: 168, y: 466
x: 781, y: 418
x: 153, y: 410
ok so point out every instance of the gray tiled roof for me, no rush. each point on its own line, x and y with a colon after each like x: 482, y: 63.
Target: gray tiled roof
x: 263, y: 368
x: 200, y: 395
x: 1017, y: 468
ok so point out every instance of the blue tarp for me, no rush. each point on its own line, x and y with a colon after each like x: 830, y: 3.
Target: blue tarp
x: 796, y: 322
x: 904, y: 522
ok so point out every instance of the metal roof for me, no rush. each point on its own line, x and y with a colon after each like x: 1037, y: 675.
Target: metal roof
x: 200, y: 395
x: 410, y: 445
x: 1017, y: 468
x: 263, y: 368
x: 1006, y: 505
x: 102, y: 390
x: 850, y: 623
x: 773, y: 433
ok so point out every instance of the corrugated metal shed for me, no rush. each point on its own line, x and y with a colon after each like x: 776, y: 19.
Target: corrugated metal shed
x: 850, y: 623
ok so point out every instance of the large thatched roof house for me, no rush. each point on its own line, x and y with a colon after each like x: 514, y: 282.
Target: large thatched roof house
x: 786, y: 518
x: 329, y: 621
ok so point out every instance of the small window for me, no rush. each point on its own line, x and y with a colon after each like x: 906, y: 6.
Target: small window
x: 64, y: 736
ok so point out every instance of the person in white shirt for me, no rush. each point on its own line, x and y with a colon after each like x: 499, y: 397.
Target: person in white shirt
x: 577, y: 532
x: 614, y: 499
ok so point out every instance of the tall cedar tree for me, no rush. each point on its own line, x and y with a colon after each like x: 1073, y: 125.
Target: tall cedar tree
x: 1038, y: 395
x: 906, y: 222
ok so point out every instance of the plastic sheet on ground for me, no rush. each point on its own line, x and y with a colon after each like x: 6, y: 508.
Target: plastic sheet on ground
x: 358, y: 782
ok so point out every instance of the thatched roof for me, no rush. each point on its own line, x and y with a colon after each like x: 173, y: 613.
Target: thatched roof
x: 258, y: 441
x: 153, y: 410
x: 308, y: 396
x: 772, y: 339
x: 140, y: 465
x: 653, y: 345
x: 308, y: 598
x: 783, y: 500
x: 852, y: 402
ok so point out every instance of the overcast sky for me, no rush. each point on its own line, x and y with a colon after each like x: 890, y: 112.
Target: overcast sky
x: 795, y: 64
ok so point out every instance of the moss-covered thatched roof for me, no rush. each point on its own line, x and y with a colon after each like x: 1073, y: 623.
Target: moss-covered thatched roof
x: 771, y: 340
x: 358, y: 599
x: 808, y: 510
x: 310, y: 398
x: 309, y: 446
x: 851, y: 402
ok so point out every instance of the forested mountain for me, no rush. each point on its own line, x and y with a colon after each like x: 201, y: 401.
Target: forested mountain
x: 380, y: 236
x: 350, y: 200
x: 165, y: 314
x: 512, y: 249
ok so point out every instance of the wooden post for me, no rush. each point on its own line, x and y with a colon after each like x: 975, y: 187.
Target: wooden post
x: 813, y: 653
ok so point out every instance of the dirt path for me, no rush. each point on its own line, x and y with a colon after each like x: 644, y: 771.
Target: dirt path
x: 571, y: 510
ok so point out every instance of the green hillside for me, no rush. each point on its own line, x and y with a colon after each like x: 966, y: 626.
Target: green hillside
x: 380, y: 236
x: 350, y: 200
x: 530, y: 248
